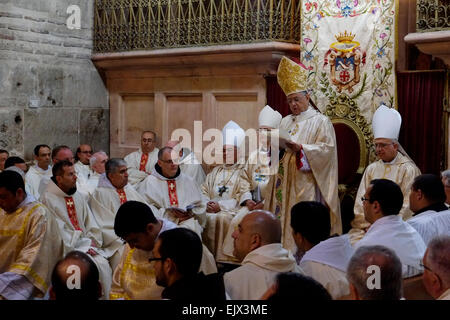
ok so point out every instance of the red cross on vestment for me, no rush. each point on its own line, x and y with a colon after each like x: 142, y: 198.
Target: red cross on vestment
x: 172, y: 187
x: 144, y: 159
x: 122, y: 196
x: 72, y: 212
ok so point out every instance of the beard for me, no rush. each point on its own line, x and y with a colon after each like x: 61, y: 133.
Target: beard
x: 72, y: 190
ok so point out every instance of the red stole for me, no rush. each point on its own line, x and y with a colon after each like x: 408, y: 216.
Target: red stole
x: 72, y: 212
x: 144, y: 160
x: 172, y: 187
x: 122, y: 196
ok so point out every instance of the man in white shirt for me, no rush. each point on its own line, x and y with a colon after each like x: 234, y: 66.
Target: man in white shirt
x: 436, y: 262
x: 42, y: 168
x: 382, y: 203
x: 97, y: 163
x: 141, y: 162
x: 427, y: 201
x: 257, y: 243
x: 384, y: 269
x: 325, y: 258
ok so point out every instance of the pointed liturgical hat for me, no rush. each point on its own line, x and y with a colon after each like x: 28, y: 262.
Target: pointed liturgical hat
x: 292, y: 77
x: 233, y: 134
x: 386, y: 123
x: 269, y: 118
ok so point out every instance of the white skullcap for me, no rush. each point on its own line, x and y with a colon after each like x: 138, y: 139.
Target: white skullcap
x: 233, y: 134
x: 386, y: 123
x: 269, y: 118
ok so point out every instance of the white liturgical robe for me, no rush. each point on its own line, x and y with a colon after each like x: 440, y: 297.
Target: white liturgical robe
x: 402, y: 171
x: 327, y: 263
x: 258, y: 272
x: 430, y: 224
x: 308, y: 175
x: 83, y: 171
x: 33, y: 179
x: 190, y: 166
x: 78, y: 228
x: 104, y: 203
x: 224, y: 185
x: 392, y: 232
x: 178, y: 192
x: 140, y: 165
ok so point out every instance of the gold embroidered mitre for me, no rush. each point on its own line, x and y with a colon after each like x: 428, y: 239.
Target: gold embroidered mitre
x: 291, y: 76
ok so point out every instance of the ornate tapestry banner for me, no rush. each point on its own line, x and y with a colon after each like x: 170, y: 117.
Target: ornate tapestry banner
x: 349, y: 48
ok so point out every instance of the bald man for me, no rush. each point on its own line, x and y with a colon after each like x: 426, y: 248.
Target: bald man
x: 65, y: 273
x: 257, y: 243
x: 188, y: 163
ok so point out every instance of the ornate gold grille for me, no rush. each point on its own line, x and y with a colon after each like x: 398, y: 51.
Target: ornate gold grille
x: 125, y: 25
x: 433, y: 15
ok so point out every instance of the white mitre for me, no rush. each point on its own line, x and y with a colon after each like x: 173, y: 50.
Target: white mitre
x: 233, y: 134
x: 386, y: 123
x: 269, y: 118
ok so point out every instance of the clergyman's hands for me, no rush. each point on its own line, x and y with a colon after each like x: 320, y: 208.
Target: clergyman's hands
x: 294, y: 146
x: 212, y: 207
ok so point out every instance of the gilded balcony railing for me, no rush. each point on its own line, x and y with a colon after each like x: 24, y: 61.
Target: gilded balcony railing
x: 125, y: 25
x: 433, y: 15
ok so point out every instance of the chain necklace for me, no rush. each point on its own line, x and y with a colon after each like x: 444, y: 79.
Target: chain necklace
x: 224, y: 187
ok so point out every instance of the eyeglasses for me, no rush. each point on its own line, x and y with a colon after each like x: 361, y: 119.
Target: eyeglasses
x: 156, y: 259
x: 382, y: 145
x: 365, y: 199
x: 425, y: 267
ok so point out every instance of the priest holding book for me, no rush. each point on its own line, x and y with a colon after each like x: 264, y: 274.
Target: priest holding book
x: 309, y: 168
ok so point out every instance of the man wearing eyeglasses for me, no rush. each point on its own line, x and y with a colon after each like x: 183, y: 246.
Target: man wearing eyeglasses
x: 382, y: 202
x: 141, y: 162
x: 82, y: 156
x: 393, y: 164
x: 177, y: 198
x: 436, y: 262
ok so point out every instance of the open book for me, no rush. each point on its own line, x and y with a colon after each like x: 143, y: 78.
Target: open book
x: 284, y: 138
x: 193, y: 205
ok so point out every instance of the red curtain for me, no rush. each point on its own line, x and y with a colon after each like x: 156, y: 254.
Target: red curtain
x: 276, y: 97
x: 420, y: 102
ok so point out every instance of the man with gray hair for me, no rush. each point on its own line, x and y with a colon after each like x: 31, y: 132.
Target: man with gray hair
x: 436, y: 262
x: 112, y: 191
x: 375, y: 273
x: 446, y: 181
x: 97, y: 163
